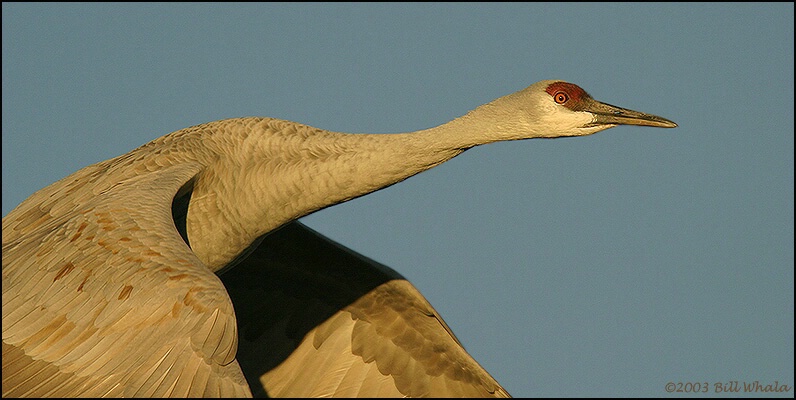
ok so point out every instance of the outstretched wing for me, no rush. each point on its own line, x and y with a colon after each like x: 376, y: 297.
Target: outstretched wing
x: 317, y: 319
x: 101, y: 296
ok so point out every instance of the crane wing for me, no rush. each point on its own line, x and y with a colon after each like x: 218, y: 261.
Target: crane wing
x: 101, y: 296
x: 317, y: 319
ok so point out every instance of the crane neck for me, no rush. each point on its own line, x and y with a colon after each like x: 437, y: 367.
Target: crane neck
x: 268, y: 172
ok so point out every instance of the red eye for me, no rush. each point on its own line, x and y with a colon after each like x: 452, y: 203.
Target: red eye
x: 561, y: 97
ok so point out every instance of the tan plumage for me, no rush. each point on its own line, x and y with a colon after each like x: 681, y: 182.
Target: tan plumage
x: 302, y: 294
x: 108, y: 274
x: 95, y: 290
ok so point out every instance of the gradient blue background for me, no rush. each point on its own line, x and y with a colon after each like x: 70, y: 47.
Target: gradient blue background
x: 606, y: 265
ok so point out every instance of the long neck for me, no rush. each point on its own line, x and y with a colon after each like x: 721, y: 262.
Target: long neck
x: 280, y: 171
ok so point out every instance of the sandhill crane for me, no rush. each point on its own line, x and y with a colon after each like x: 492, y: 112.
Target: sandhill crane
x: 111, y: 275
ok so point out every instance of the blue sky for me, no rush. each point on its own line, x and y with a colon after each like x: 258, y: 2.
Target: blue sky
x: 606, y: 265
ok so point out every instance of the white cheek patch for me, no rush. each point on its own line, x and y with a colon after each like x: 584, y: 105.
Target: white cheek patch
x: 565, y: 122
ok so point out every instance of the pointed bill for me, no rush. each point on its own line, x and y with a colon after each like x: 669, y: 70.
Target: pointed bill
x: 606, y: 114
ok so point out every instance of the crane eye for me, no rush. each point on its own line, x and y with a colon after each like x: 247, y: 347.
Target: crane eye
x: 561, y: 97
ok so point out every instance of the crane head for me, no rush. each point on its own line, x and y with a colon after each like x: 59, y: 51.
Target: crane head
x: 556, y: 108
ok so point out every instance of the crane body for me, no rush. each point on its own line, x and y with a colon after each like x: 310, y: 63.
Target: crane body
x: 109, y: 275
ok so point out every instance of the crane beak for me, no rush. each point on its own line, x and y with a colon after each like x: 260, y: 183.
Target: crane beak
x: 606, y: 114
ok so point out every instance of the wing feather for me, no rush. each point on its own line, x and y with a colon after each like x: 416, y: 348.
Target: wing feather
x: 349, y: 326
x: 102, y: 297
